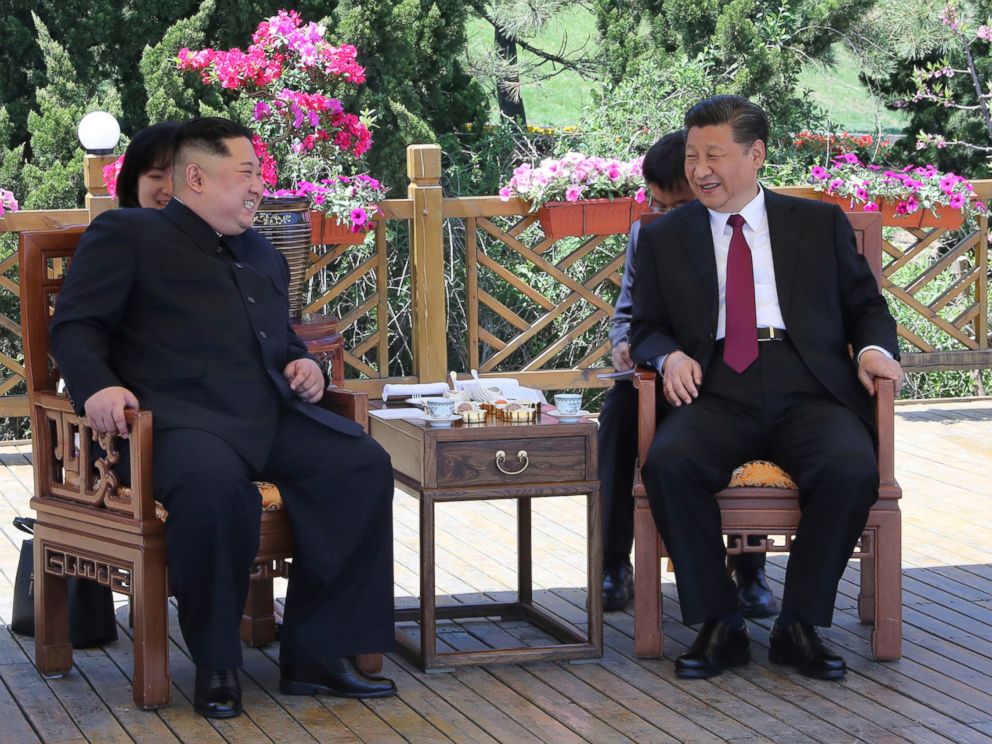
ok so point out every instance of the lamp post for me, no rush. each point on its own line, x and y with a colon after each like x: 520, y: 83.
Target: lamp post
x: 99, y: 134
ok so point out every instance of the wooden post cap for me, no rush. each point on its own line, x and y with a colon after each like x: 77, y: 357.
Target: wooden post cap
x: 423, y: 164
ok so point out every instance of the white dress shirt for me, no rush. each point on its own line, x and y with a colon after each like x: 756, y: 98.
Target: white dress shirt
x: 767, y: 311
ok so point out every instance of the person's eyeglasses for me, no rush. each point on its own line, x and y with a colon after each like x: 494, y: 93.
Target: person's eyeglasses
x: 657, y: 207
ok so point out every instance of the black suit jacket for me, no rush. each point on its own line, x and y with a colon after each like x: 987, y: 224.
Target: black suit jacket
x: 201, y: 337
x: 826, y: 291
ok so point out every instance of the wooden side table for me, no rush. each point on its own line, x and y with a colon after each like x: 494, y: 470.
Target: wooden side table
x: 497, y: 460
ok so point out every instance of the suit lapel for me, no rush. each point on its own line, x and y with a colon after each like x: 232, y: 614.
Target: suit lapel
x: 698, y: 246
x: 785, y: 233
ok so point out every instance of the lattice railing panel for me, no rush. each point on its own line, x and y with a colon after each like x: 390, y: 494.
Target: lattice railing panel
x: 534, y: 305
x: 358, y: 286
x: 937, y: 288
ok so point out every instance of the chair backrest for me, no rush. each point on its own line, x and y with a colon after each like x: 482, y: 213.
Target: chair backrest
x: 868, y: 234
x: 44, y: 258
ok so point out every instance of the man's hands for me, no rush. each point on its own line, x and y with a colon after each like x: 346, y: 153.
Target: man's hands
x: 873, y: 365
x: 105, y: 409
x: 621, y: 357
x: 305, y: 379
x: 681, y: 378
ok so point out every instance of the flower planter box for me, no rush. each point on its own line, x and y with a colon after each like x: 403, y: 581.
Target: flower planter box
x: 589, y: 217
x: 328, y: 231
x: 946, y: 219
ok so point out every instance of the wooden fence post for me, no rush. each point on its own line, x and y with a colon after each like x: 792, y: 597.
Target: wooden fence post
x: 430, y: 317
x: 97, y: 198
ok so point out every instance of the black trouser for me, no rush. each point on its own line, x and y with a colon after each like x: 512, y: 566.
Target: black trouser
x: 337, y: 491
x: 617, y: 451
x: 775, y: 410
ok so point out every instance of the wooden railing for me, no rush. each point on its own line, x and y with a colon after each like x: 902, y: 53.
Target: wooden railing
x: 482, y: 288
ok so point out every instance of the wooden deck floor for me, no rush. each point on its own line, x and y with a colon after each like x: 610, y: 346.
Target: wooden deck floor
x: 940, y: 691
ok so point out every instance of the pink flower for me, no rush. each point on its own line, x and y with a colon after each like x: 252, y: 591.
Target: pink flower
x: 835, y: 185
x: 819, y: 173
x: 573, y: 193
x: 7, y: 202
x: 505, y: 193
x: 639, y: 196
x: 358, y: 218
x: 861, y: 193
x: 110, y: 174
x: 902, y: 208
x: 870, y: 207
x: 957, y: 201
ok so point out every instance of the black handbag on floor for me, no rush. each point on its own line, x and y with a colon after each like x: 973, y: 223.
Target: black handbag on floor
x: 91, y: 605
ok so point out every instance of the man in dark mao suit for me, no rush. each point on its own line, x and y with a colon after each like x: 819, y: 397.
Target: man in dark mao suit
x: 184, y: 312
x: 746, y: 302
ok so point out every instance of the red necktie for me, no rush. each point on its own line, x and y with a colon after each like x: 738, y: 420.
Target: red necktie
x: 740, y: 346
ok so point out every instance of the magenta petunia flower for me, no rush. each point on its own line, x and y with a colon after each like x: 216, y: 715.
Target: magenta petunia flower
x: 358, y: 218
x: 573, y: 193
x: 818, y: 172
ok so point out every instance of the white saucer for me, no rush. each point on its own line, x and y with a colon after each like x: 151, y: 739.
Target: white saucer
x: 568, y: 418
x: 442, y: 421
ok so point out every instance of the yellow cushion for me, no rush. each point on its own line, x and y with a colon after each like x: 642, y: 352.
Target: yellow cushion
x: 271, y: 499
x: 761, y: 474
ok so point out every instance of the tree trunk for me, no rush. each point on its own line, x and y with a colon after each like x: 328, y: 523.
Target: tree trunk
x: 511, y: 102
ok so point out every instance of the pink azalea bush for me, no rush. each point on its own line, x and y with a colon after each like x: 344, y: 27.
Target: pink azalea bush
x: 7, y: 202
x: 912, y: 188
x: 110, y: 174
x: 305, y: 139
x: 573, y: 177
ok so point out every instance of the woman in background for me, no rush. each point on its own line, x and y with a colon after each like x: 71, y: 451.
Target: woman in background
x: 145, y: 178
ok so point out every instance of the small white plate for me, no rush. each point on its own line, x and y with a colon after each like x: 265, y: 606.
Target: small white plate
x: 442, y: 421
x: 568, y: 418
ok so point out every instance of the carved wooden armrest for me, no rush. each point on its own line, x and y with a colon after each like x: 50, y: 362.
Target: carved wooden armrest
x: 351, y: 404
x: 74, y: 474
x: 644, y: 381
x: 885, y: 415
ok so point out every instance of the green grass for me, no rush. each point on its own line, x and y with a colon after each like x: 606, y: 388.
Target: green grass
x: 558, y: 101
x: 847, y: 102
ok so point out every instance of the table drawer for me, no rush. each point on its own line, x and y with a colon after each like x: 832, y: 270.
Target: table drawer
x: 547, y: 460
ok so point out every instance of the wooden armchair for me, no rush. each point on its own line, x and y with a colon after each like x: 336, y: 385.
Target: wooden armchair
x: 762, y: 500
x: 89, y: 525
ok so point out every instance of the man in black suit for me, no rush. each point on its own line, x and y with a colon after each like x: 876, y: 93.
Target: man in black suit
x: 716, y: 279
x: 664, y: 174
x: 184, y: 312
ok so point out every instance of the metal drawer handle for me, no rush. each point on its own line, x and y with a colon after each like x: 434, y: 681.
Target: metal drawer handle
x: 521, y: 457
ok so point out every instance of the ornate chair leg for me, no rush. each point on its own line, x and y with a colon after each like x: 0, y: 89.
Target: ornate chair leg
x: 866, y: 592
x: 52, y: 650
x: 258, y: 623
x: 369, y: 663
x: 152, y: 684
x: 649, y: 640
x: 886, y: 637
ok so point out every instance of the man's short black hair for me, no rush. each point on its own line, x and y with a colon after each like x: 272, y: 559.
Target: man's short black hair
x: 747, y: 120
x: 209, y: 134
x: 152, y: 147
x: 664, y: 163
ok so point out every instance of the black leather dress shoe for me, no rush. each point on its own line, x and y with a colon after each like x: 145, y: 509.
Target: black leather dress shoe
x: 717, y: 647
x: 800, y: 646
x: 754, y: 596
x: 338, y: 677
x: 618, y: 587
x: 218, y: 693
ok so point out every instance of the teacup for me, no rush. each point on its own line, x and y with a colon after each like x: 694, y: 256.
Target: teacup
x: 440, y: 407
x: 568, y: 402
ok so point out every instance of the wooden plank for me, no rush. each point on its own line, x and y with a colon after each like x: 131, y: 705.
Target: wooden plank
x: 39, y: 704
